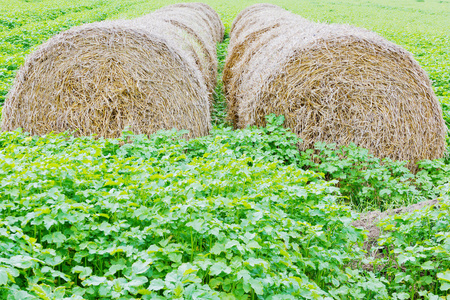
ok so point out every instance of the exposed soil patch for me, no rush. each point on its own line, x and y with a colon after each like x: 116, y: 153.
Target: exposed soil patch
x: 369, y: 220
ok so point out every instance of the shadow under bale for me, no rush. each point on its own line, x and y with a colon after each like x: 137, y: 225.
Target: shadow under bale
x: 333, y: 83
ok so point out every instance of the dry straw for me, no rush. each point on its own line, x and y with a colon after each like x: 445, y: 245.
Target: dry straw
x: 333, y: 83
x: 151, y: 73
x: 201, y: 25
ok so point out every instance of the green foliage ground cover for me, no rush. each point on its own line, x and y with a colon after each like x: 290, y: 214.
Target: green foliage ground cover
x: 234, y: 215
x: 228, y: 216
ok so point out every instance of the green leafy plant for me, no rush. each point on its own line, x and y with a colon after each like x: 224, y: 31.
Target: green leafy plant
x: 416, y: 244
x: 152, y: 219
x: 233, y: 215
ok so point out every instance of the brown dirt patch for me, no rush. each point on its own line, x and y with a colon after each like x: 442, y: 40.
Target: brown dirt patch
x: 369, y: 220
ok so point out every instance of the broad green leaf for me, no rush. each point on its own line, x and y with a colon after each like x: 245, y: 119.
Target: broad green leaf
x: 215, y: 282
x: 83, y: 271
x: 22, y: 262
x: 256, y: 261
x: 196, y: 225
x: 404, y: 258
x: 189, y: 271
x: 175, y: 257
x: 156, y: 285
x: 244, y: 274
x: 3, y: 276
x: 140, y: 267
x: 217, y: 249
x: 94, y: 280
x: 385, y: 192
x: 445, y: 286
x: 218, y: 268
x: 253, y: 245
x: 444, y: 276
x: 114, y: 268
x: 231, y: 244
x: 137, y: 281
x: 256, y: 285
x: 429, y: 265
x: 178, y: 291
x: 40, y: 290
x: 59, y: 292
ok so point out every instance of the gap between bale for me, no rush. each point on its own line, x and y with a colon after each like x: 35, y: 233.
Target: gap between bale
x: 333, y: 83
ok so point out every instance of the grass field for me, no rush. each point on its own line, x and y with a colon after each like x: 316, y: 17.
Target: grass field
x: 234, y: 215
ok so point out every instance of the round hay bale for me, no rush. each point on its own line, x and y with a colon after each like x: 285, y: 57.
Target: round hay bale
x: 333, y: 83
x: 239, y: 25
x: 209, y: 15
x: 146, y: 74
x: 247, y: 37
x: 190, y: 24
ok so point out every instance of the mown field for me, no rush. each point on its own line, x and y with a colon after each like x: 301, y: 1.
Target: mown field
x: 234, y: 215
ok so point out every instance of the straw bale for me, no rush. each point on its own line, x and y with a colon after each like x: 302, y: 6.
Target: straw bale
x: 248, y: 36
x: 333, y: 83
x: 146, y: 74
x: 209, y: 15
x: 192, y: 24
x: 239, y: 25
